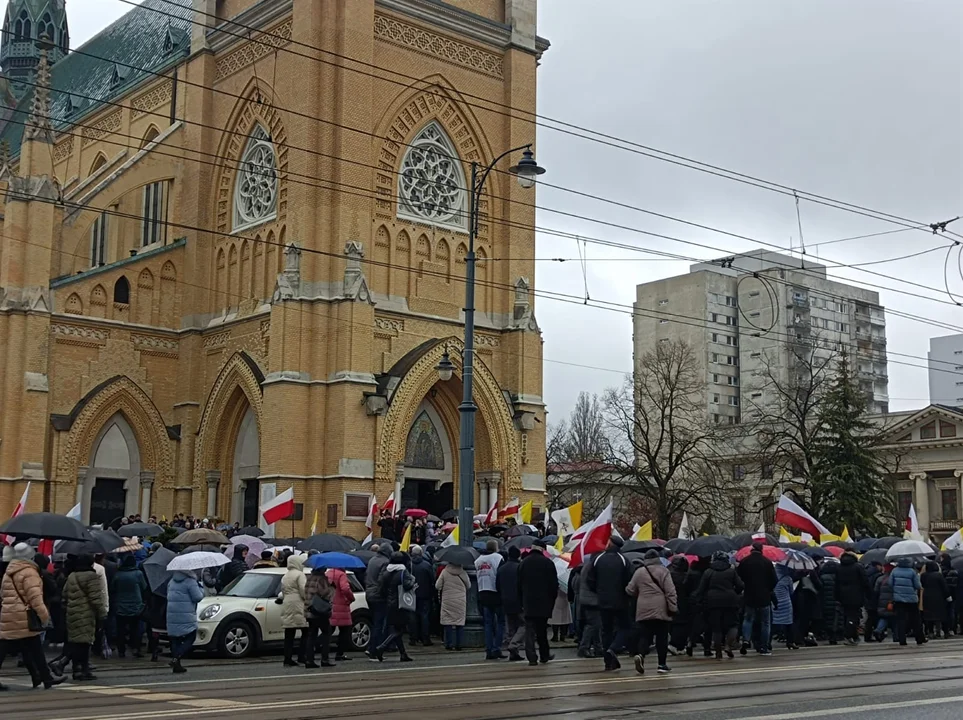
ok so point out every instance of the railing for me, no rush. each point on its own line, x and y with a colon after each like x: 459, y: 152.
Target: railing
x: 945, y: 525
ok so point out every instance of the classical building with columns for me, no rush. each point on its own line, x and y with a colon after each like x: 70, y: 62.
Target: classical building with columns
x: 233, y: 256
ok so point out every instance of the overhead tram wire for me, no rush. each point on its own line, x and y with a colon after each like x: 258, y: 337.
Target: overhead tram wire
x: 552, y: 210
x: 567, y: 128
x: 562, y: 297
x: 546, y: 209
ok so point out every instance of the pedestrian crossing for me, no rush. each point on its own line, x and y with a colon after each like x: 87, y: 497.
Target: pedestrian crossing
x: 158, y: 697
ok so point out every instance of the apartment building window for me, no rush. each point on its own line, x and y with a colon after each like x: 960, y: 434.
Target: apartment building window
x: 715, y: 378
x: 731, y: 341
x: 98, y: 241
x: 715, y: 337
x: 843, y: 327
x: 715, y: 399
x: 948, y: 499
x: 738, y: 472
x: 755, y: 355
x: 731, y: 301
x: 732, y: 360
x: 947, y: 430
x: 734, y: 400
x: 732, y: 380
x: 768, y: 510
x: 154, y: 221
x: 904, y: 498
x: 715, y: 418
x: 738, y: 511
x: 733, y: 419
x: 928, y: 431
x: 714, y: 357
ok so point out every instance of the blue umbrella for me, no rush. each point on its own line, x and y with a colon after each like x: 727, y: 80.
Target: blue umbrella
x: 865, y: 545
x: 339, y: 560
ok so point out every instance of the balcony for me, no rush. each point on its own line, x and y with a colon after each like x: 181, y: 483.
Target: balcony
x: 881, y: 396
x: 862, y: 316
x: 879, y: 340
x: 945, y: 525
x: 877, y: 318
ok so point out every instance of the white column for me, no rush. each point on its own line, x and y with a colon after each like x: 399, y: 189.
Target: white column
x: 399, y: 485
x: 483, y: 490
x: 82, y: 496
x: 146, y: 488
x: 922, y: 501
x: 958, y: 474
x: 492, y: 494
x: 213, y: 482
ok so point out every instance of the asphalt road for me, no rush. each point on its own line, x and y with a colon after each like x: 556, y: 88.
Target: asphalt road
x: 875, y: 682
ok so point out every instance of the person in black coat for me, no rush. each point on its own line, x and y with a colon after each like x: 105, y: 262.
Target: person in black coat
x: 851, y: 593
x: 699, y: 622
x: 609, y: 573
x: 396, y: 577
x: 538, y: 590
x: 759, y: 577
x: 828, y: 573
x: 425, y: 595
x: 720, y: 591
x: 234, y: 569
x: 506, y: 582
x: 873, y: 573
x: 935, y: 594
x: 678, y: 570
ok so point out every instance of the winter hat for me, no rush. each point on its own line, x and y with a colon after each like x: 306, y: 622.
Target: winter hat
x: 22, y: 551
x: 652, y: 554
x: 7, y: 553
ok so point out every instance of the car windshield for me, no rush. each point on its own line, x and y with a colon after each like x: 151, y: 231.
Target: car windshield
x: 253, y: 585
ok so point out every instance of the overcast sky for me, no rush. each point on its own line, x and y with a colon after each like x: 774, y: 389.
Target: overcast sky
x: 859, y: 101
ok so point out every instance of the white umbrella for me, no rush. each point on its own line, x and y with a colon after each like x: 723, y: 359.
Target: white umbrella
x: 797, y: 560
x: 909, y: 548
x: 198, y: 561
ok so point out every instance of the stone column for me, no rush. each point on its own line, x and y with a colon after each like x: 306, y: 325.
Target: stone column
x: 922, y: 501
x: 483, y: 491
x: 489, y: 481
x: 213, y: 481
x: 146, y: 488
x: 399, y: 485
x: 81, y: 480
x: 958, y: 474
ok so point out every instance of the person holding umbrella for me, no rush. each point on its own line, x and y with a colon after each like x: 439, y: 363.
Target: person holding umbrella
x: 318, y: 606
x: 538, y: 587
x: 23, y: 614
x: 719, y: 591
x: 759, y: 577
x: 183, y: 594
x: 341, y: 611
x: 86, y: 609
x: 906, y: 597
x: 128, y: 588
x: 395, y: 580
x: 452, y: 586
x: 656, y: 603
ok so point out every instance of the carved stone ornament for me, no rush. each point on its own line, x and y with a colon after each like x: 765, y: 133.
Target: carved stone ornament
x: 289, y: 282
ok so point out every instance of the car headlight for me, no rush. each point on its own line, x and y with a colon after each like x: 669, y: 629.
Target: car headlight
x: 210, y: 612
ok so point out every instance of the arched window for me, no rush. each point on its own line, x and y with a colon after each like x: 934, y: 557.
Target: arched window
x: 122, y: 291
x: 431, y: 183
x: 150, y: 136
x: 21, y: 29
x: 98, y: 241
x: 256, y: 187
x: 98, y: 163
x: 45, y: 29
x: 64, y: 38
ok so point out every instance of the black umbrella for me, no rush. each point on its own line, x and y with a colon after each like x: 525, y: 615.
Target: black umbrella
x: 380, y: 542
x: 328, y: 542
x: 155, y: 567
x: 252, y: 531
x: 865, y: 544
x: 457, y: 555
x: 276, y: 542
x: 709, y: 544
x: 796, y: 546
x: 871, y: 556
x: 101, y: 543
x: 355, y: 545
x: 45, y: 525
x: 365, y: 555
x: 634, y: 546
x: 886, y: 543
x: 450, y: 515
x: 745, y: 540
x: 841, y: 544
x: 635, y: 559
x: 818, y: 553
x: 678, y: 545
x: 140, y: 529
x: 483, y: 540
x: 519, y: 530
x: 200, y: 548
x: 521, y: 542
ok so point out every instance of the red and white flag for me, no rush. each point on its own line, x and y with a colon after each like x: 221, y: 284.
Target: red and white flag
x: 492, y: 515
x: 372, y: 513
x: 912, y: 531
x: 595, y: 539
x: 510, y: 510
x: 760, y: 534
x: 790, y: 514
x: 18, y: 511
x: 280, y: 508
x: 390, y: 505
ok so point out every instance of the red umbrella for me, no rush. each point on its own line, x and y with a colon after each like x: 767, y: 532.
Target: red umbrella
x: 834, y: 550
x: 771, y: 553
x: 416, y: 513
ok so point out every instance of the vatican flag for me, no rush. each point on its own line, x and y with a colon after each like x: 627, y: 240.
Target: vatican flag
x: 525, y: 513
x: 452, y: 539
x: 569, y: 519
x: 954, y: 541
x: 786, y: 537
x: 406, y: 539
x: 314, y: 525
x: 845, y: 534
x: 560, y: 543
x: 642, y: 532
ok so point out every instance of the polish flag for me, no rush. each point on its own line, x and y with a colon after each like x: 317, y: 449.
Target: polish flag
x: 280, y: 508
x: 912, y: 531
x: 390, y: 505
x: 595, y: 539
x: 492, y: 515
x: 18, y: 511
x: 790, y: 514
x: 372, y: 513
x: 760, y: 534
x: 511, y: 510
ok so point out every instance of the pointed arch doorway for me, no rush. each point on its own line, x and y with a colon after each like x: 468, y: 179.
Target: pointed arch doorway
x: 428, y: 476
x: 112, y: 478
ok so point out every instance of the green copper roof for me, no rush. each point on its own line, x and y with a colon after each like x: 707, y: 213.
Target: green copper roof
x: 121, y: 55
x: 36, y: 8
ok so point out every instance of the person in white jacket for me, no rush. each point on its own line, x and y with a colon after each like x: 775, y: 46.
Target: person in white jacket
x: 486, y: 570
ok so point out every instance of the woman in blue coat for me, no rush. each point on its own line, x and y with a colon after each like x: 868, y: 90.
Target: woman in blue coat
x: 183, y: 595
x: 782, y: 606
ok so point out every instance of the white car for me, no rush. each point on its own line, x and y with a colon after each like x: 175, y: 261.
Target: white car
x: 244, y: 618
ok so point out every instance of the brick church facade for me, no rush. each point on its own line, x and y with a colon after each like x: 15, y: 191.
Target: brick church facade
x: 232, y: 256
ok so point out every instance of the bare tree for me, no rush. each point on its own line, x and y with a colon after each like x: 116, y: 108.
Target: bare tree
x: 586, y: 434
x: 660, y: 440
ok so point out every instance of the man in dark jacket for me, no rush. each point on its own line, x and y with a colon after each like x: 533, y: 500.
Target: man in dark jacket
x: 828, y: 572
x: 376, y: 602
x: 873, y: 573
x: 609, y: 574
x: 759, y: 577
x: 507, y: 583
x: 425, y: 596
x: 589, y: 620
x: 851, y: 593
x: 127, y: 601
x: 234, y: 569
x: 538, y: 589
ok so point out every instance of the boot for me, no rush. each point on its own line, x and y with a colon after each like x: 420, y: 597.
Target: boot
x: 177, y: 667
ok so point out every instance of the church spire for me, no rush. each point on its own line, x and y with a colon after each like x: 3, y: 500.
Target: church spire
x: 38, y: 125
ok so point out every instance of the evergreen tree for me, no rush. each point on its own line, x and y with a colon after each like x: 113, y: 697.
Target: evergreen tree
x: 848, y: 480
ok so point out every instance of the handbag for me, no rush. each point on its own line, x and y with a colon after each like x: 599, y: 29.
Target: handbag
x: 406, y: 598
x: 661, y: 587
x: 320, y: 607
x: 34, y: 623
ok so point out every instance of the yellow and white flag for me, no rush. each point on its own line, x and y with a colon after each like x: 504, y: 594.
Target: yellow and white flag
x: 954, y: 541
x: 406, y: 539
x: 568, y: 520
x: 685, y: 532
x: 524, y: 516
x: 452, y: 539
x: 314, y: 525
x: 642, y: 532
x: 786, y: 537
x: 845, y: 534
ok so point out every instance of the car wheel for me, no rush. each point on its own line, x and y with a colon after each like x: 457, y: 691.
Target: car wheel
x: 236, y: 639
x: 360, y: 632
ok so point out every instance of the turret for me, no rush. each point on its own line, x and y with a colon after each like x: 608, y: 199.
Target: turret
x: 24, y: 24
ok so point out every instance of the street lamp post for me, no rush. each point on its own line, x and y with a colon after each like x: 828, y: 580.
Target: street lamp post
x: 526, y: 171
